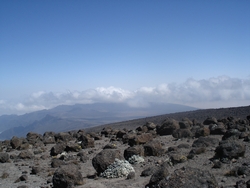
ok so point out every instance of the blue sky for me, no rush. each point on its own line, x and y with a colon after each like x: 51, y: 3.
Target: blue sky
x: 64, y: 52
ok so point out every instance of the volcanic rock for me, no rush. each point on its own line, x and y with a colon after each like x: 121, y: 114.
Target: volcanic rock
x: 105, y: 158
x: 67, y: 176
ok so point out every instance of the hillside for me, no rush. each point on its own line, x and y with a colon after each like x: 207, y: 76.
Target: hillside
x: 199, y: 115
x: 79, y: 116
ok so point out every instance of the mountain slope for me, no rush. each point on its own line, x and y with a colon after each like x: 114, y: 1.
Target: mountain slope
x: 70, y: 117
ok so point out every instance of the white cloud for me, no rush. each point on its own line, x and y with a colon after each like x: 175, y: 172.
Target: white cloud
x: 214, y: 92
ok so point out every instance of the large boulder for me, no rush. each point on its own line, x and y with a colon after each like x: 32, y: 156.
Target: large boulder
x: 105, y: 158
x: 57, y: 149
x: 210, y: 120
x: 26, y: 155
x: 49, y: 138
x: 86, y: 141
x: 34, y: 139
x: 63, y: 137
x: 73, y: 147
x: 182, y: 133
x: 219, y: 129
x: 230, y: 149
x: 167, y: 127
x: 16, y: 142
x: 231, y: 134
x: 135, y: 150
x: 150, y: 125
x: 67, y: 176
x: 205, y: 142
x: 153, y: 148
x: 186, y: 177
x: 202, y: 131
x: 4, y: 157
x: 159, y: 175
x: 140, y: 139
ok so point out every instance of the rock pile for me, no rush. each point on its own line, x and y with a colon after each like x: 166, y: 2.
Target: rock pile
x: 186, y: 153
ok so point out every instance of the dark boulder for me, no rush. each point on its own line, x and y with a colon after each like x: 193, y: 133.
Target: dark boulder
x: 203, y: 131
x: 120, y: 134
x: 34, y: 139
x: 16, y: 142
x: 86, y: 141
x: 135, y: 150
x: 57, y: 149
x: 26, y: 155
x: 167, y: 127
x: 159, y: 175
x: 230, y: 149
x: 49, y: 138
x: 55, y: 163
x: 83, y: 156
x: 36, y: 169
x: 231, y: 134
x: 217, y: 129
x: 95, y: 136
x: 149, y: 171
x: 184, y: 125
x: 128, y: 136
x: 196, y: 151
x: 177, y: 158
x: 73, y: 147
x: 153, y: 148
x: 140, y: 139
x: 4, y: 157
x: 186, y: 177
x: 150, y: 126
x: 182, y: 133
x: 105, y: 158
x: 205, y: 142
x: 63, y: 137
x: 67, y: 176
x: 210, y: 120
x: 106, y: 131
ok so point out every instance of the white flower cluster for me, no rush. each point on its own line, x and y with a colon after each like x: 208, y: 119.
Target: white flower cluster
x: 120, y: 168
x: 135, y: 159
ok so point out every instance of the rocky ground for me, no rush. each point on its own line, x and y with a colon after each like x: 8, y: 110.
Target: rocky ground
x: 185, y: 153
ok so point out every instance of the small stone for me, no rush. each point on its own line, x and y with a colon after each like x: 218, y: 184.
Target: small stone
x: 131, y: 175
x: 5, y: 175
x: 217, y: 163
x: 23, y: 178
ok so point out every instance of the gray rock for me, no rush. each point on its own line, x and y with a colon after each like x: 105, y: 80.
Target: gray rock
x: 230, y: 149
x: 210, y: 120
x: 140, y: 139
x: 185, y: 177
x: 4, y: 157
x: 153, y: 148
x: 182, y: 133
x: 135, y: 150
x: 149, y: 171
x: 167, y: 127
x: 16, y: 142
x: 86, y: 141
x: 67, y: 176
x: 63, y: 137
x: 49, y: 138
x: 205, y: 142
x: 105, y: 158
x: 57, y: 149
x: 26, y: 155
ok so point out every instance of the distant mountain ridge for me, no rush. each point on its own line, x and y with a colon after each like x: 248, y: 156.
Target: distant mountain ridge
x: 79, y: 116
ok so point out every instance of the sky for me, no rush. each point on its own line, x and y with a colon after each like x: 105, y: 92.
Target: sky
x: 194, y: 53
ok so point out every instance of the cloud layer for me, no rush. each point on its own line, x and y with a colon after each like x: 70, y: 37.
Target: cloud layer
x: 216, y: 92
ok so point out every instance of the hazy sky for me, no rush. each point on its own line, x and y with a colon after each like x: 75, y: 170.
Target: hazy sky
x: 65, y: 52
